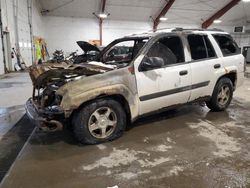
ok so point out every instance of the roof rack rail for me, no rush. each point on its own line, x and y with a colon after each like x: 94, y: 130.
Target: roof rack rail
x: 198, y: 29
x: 191, y: 29
x: 167, y: 28
x: 175, y: 29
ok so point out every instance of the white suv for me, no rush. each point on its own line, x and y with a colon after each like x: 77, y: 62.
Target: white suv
x: 156, y: 71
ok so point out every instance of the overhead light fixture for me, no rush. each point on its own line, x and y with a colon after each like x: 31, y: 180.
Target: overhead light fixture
x: 246, y: 1
x: 217, y: 21
x: 103, y: 15
x: 163, y: 19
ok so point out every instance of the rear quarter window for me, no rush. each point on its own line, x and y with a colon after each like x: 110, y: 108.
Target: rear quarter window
x: 227, y: 45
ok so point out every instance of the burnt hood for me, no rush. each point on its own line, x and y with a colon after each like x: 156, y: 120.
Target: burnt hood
x: 43, y: 75
x: 87, y: 47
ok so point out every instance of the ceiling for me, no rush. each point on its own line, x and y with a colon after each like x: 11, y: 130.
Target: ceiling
x: 182, y: 11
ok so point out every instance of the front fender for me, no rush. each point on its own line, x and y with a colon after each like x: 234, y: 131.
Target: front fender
x: 71, y: 101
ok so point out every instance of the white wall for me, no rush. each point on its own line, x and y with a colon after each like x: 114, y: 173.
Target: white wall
x: 38, y: 20
x: 117, y: 29
x: 63, y: 32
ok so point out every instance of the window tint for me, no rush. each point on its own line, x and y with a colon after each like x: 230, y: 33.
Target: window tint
x: 210, y: 48
x: 170, y: 49
x: 197, y: 47
x: 227, y: 45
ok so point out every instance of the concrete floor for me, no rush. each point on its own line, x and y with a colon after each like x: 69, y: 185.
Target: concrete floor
x: 187, y: 147
x: 15, y: 89
x: 15, y: 127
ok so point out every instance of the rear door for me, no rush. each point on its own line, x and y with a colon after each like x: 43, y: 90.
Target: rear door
x: 205, y: 65
x: 167, y: 85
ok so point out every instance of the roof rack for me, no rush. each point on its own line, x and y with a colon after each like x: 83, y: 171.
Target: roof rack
x: 175, y: 29
x: 191, y: 29
x: 197, y: 29
x: 167, y: 28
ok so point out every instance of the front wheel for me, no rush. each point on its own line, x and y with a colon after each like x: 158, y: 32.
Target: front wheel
x: 100, y: 121
x: 222, y: 95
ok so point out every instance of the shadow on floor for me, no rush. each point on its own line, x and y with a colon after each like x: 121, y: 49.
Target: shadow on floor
x: 12, y: 143
x: 46, y: 138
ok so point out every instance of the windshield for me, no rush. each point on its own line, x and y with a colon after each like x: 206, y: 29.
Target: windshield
x: 123, y: 52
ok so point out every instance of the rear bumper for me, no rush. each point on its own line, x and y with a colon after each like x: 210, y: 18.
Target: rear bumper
x: 45, y: 120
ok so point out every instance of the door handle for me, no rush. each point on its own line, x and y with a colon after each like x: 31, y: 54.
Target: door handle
x: 217, y: 66
x: 184, y: 72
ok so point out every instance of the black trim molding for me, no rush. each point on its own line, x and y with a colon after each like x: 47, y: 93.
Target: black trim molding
x: 173, y: 91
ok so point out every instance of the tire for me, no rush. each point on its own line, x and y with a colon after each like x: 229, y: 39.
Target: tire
x: 95, y: 116
x: 217, y: 103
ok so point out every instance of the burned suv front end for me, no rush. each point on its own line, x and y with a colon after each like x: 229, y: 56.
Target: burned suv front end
x: 44, y: 107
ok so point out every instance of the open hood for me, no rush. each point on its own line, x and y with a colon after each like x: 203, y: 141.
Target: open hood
x: 87, y: 47
x: 42, y: 75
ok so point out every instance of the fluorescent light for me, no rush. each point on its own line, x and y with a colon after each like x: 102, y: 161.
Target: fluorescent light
x: 246, y: 1
x: 163, y: 19
x: 103, y: 15
x: 217, y: 21
x: 20, y: 44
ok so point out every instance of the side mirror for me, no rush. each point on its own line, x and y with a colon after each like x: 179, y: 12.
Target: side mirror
x: 150, y: 63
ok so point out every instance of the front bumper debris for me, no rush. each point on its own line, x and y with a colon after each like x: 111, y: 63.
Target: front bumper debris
x: 45, y: 120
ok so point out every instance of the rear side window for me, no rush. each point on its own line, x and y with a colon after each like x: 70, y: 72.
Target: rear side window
x: 197, y: 47
x: 227, y: 44
x: 200, y: 47
x: 210, y: 48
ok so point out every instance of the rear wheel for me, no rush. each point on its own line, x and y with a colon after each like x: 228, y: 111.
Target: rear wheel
x: 222, y: 95
x: 100, y: 121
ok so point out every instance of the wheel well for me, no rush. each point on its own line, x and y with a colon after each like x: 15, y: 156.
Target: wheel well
x: 232, y: 76
x: 117, y: 97
x: 121, y: 99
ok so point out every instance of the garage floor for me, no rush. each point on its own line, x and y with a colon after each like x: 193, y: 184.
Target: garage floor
x: 187, y: 147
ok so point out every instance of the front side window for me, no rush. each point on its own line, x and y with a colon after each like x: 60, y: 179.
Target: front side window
x: 120, y: 52
x: 169, y: 49
x: 123, y: 51
x: 226, y: 44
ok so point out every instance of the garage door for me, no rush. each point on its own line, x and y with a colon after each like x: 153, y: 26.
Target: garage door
x: 1, y: 58
x: 24, y: 32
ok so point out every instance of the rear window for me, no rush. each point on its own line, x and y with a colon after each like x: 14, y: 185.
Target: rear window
x: 227, y: 44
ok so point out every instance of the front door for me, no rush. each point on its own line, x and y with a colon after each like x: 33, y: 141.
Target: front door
x: 163, y: 77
